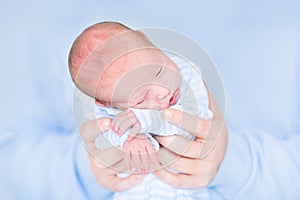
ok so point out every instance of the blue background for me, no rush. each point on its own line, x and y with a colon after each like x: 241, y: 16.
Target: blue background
x: 255, y: 45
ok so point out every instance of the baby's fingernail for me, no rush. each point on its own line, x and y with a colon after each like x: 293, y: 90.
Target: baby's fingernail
x: 168, y: 114
x: 105, y: 122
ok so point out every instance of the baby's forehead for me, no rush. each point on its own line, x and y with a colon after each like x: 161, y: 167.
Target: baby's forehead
x: 142, y: 64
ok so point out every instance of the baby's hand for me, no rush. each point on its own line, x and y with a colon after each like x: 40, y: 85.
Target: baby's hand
x: 140, y: 155
x: 125, y: 120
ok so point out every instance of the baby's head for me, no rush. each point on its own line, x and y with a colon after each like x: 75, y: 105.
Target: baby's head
x: 121, y: 68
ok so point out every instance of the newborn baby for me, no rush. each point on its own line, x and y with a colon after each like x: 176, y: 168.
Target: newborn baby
x: 132, y: 82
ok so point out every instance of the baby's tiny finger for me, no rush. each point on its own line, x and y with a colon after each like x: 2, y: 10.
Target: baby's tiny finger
x: 146, y: 162
x: 134, y: 131
x: 137, y: 163
x: 154, y: 161
x: 127, y: 161
x: 118, y: 119
x: 125, y: 125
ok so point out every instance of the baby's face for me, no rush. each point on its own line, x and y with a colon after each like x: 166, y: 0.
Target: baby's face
x: 152, y: 82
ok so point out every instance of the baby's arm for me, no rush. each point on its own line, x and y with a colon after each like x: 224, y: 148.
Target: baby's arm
x: 126, y: 121
x: 110, y: 138
x: 140, y: 152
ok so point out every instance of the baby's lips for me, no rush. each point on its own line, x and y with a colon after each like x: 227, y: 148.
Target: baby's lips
x: 173, y: 99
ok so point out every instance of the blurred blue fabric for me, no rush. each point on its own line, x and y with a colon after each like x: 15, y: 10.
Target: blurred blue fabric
x: 255, y: 45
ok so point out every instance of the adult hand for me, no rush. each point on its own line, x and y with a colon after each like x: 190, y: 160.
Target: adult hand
x: 198, y: 160
x: 106, y: 174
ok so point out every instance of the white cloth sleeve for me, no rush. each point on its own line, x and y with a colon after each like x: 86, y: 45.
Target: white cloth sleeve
x: 109, y: 138
x: 152, y: 122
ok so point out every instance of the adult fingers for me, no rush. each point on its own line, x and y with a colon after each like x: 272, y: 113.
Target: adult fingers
x: 198, y: 148
x: 109, y: 156
x: 121, y: 184
x: 108, y: 178
x: 145, y: 162
x: 192, y: 124
x: 206, y: 132
x: 91, y: 129
x: 182, y: 146
x: 127, y: 161
x: 137, y: 162
x: 183, y: 164
x: 207, y: 166
x: 181, y: 180
x: 166, y: 157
